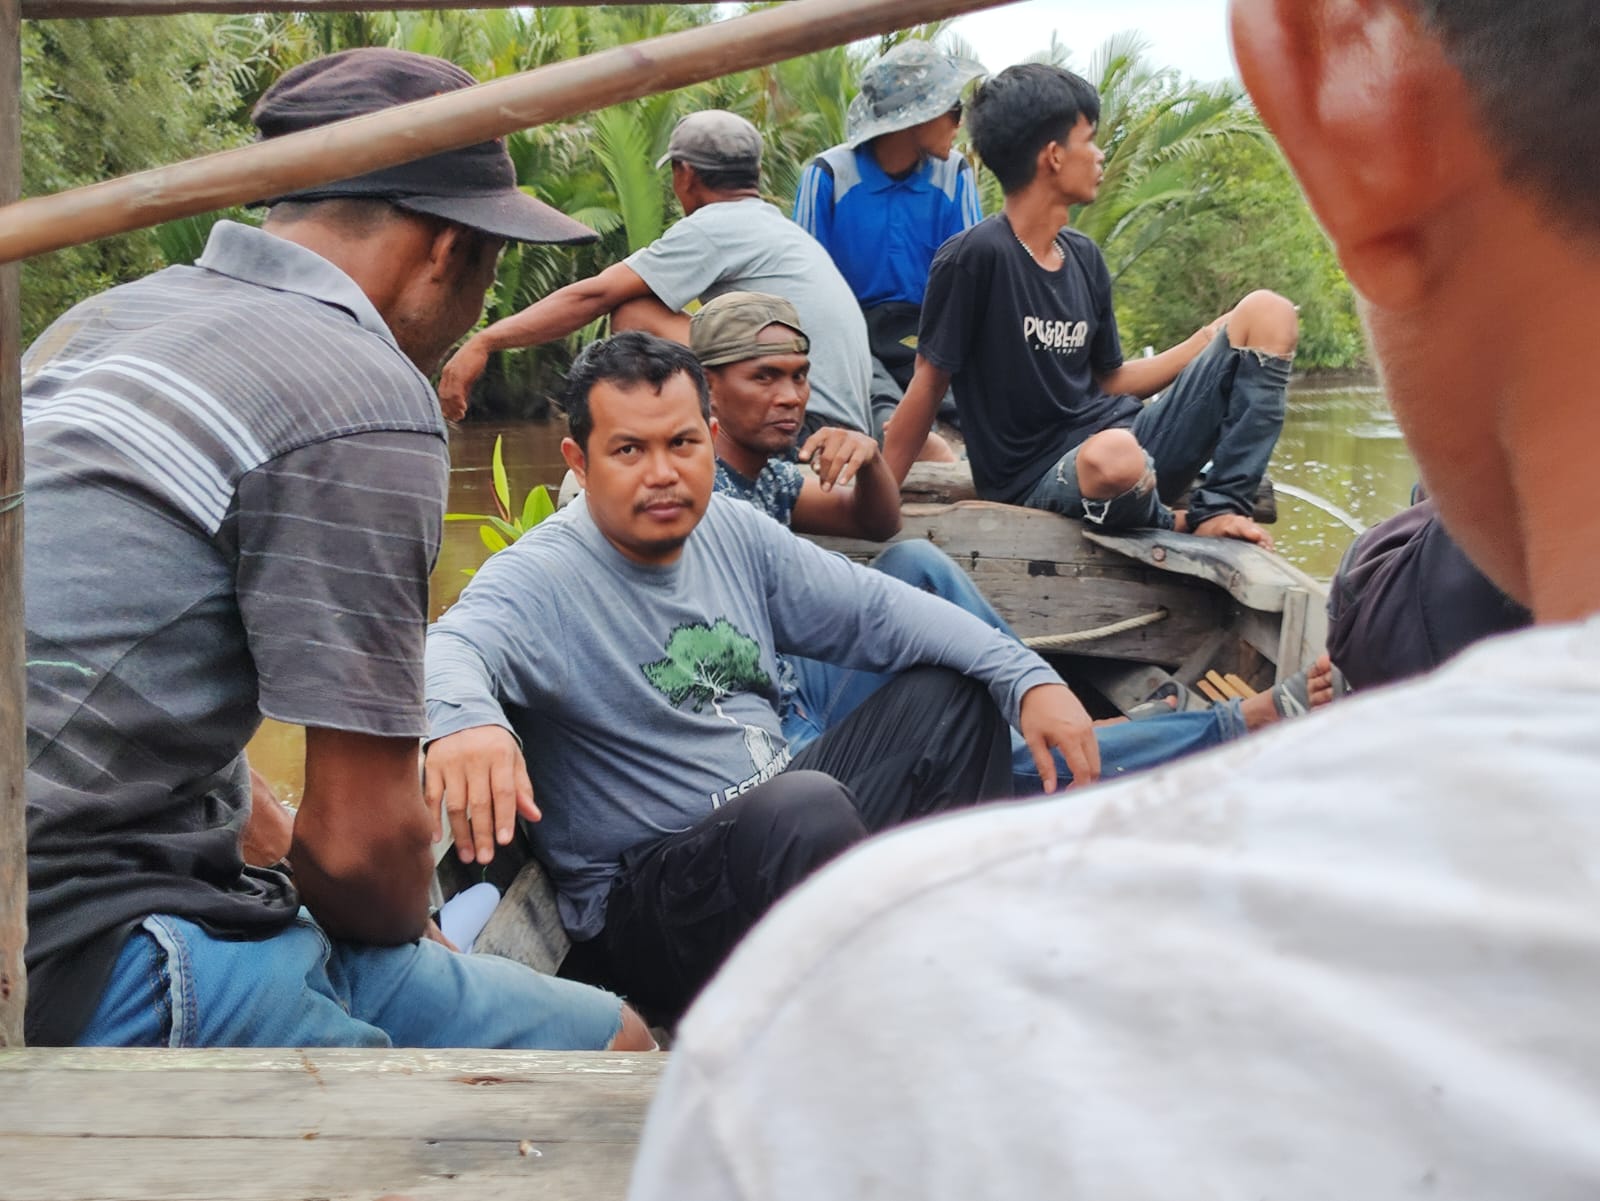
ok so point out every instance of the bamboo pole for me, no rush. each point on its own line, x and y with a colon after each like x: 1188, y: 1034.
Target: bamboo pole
x: 50, y: 10
x: 489, y: 110
x: 13, y: 838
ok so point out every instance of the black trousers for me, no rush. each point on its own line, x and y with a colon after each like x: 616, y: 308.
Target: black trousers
x: 929, y: 741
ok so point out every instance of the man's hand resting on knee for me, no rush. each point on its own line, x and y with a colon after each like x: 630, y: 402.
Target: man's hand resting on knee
x: 1053, y: 718
x: 482, y: 779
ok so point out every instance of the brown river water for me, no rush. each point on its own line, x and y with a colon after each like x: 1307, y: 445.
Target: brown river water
x: 1339, y: 443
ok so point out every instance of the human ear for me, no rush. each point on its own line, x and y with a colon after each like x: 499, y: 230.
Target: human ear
x: 1377, y: 124
x: 576, y: 460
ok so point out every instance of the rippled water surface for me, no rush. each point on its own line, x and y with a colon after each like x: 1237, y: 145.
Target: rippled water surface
x: 1339, y: 443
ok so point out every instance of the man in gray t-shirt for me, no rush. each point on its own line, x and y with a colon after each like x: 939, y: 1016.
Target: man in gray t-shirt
x: 630, y: 645
x: 236, y: 477
x: 730, y: 240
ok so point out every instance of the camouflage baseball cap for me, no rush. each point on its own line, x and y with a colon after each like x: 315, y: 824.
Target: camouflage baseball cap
x: 728, y: 329
x: 714, y: 140
x: 912, y: 83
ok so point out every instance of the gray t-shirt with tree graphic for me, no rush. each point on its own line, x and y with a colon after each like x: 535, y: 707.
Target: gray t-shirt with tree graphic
x: 645, y: 697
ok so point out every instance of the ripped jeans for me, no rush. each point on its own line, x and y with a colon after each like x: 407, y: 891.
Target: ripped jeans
x: 1225, y: 408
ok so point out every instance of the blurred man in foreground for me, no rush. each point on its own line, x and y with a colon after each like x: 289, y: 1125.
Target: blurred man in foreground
x: 1355, y: 957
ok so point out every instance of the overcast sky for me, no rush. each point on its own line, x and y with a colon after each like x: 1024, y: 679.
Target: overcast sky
x: 1190, y: 35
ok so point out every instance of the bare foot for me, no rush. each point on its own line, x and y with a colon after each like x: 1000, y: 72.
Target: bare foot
x: 1271, y: 706
x: 1224, y: 525
x: 936, y: 450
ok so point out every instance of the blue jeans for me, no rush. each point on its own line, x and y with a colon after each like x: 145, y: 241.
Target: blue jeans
x: 827, y: 692
x: 1225, y: 408
x: 1132, y: 746
x: 174, y: 985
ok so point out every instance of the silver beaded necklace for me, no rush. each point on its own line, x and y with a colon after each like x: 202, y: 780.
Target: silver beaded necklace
x: 1027, y: 250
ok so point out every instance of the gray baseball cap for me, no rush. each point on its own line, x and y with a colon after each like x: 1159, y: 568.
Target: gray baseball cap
x: 914, y: 82
x: 714, y: 140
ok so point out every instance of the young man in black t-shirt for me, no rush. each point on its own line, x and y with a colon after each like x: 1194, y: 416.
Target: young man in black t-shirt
x: 1018, y: 316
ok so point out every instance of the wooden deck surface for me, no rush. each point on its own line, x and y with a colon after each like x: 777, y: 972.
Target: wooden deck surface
x: 82, y: 1124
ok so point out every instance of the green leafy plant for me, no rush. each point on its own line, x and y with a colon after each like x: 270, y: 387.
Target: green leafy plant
x: 499, y: 530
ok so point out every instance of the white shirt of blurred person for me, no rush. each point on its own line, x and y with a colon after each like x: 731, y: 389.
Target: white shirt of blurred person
x: 1352, y: 957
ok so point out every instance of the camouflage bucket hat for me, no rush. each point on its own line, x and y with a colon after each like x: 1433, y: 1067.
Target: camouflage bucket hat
x: 728, y: 329
x: 912, y: 83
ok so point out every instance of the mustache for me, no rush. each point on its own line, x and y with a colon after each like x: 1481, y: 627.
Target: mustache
x: 673, y: 496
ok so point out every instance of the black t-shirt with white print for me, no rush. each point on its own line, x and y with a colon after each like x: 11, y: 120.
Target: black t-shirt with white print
x: 1024, y: 346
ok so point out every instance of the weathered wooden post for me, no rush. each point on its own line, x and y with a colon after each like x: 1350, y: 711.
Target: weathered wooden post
x: 13, y: 850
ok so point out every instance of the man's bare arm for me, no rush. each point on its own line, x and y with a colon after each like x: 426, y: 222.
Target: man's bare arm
x: 362, y: 835
x: 913, y: 418
x: 870, y: 510
x: 556, y: 316
x: 1145, y: 377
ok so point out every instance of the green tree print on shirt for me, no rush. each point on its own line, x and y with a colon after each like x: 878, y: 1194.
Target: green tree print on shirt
x: 707, y: 663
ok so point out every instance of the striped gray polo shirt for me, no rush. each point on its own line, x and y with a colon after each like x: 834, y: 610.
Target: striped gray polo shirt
x: 235, y: 485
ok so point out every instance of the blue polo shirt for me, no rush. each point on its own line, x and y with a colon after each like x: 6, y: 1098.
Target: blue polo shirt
x: 883, y: 232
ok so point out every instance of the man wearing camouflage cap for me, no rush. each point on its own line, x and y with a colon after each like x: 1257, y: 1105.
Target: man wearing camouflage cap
x: 729, y: 240
x: 884, y: 202
x: 758, y: 365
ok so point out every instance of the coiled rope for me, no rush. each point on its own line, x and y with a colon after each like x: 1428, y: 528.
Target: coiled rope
x: 1060, y: 642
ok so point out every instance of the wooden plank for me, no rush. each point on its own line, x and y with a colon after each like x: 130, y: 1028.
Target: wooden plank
x: 1256, y: 578
x: 454, y: 119
x: 1044, y: 577
x: 1239, y: 686
x: 526, y: 925
x: 13, y: 838
x: 1036, y: 604
x: 50, y: 10
x: 1291, y: 636
x: 972, y: 530
x: 1220, y: 682
x: 278, y: 1125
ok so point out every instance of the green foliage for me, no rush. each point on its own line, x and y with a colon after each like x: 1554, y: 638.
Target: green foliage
x: 1255, y: 232
x: 108, y: 97
x: 500, y: 529
x: 706, y: 663
x: 1196, y: 207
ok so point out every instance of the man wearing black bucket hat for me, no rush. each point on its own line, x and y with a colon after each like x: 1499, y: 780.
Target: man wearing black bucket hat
x: 255, y: 444
x: 884, y: 202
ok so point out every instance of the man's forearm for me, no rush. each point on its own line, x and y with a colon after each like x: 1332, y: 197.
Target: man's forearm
x: 556, y: 316
x: 1145, y: 377
x: 362, y: 843
x: 913, y: 418
x: 381, y: 902
x: 877, y: 502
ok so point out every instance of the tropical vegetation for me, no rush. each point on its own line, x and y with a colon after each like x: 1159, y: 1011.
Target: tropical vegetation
x: 1197, y: 205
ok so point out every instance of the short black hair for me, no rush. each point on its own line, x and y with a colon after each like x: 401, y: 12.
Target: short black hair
x: 1534, y: 72
x: 1020, y: 111
x: 627, y: 360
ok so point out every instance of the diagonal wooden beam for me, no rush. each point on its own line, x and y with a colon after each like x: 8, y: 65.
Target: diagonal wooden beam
x: 50, y: 10
x: 489, y: 110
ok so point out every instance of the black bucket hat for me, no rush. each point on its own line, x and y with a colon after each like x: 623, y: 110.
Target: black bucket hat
x: 475, y: 186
